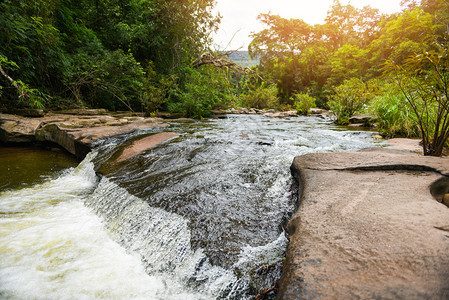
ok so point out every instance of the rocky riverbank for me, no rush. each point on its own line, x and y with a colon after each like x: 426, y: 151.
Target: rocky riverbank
x: 75, y: 131
x: 370, y: 225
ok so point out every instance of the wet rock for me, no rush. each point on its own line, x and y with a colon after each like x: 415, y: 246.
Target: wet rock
x: 365, y: 119
x: 240, y: 111
x: 446, y: 200
x: 282, y: 114
x: 15, y: 129
x: 75, y: 133
x: 169, y: 115
x: 318, y: 111
x: 143, y: 144
x: 366, y: 228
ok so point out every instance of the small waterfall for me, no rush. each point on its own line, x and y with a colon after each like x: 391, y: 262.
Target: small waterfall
x: 78, y: 237
x: 162, y: 240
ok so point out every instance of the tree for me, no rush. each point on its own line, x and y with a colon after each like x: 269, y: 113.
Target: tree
x: 424, y: 81
x: 93, y: 51
x: 350, y: 97
x: 400, y: 37
x: 279, y: 48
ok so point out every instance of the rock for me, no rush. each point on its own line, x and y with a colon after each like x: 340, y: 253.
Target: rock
x: 440, y: 189
x: 282, y: 114
x: 15, y: 129
x: 84, y: 112
x: 242, y: 111
x: 446, y: 200
x: 75, y: 133
x: 365, y: 228
x: 318, y: 111
x: 366, y: 119
x: 53, y: 133
x: 413, y: 145
x: 27, y: 112
x: 169, y: 116
x: 143, y: 144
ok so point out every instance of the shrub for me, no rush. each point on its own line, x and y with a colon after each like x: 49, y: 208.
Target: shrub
x: 350, y: 97
x: 201, y: 93
x: 424, y: 81
x: 262, y: 97
x: 394, y: 114
x: 157, y: 89
x: 303, y: 103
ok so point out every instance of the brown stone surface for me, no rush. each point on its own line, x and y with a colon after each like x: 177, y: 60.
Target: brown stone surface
x: 282, y: 114
x: 14, y: 130
x: 406, y: 144
x: 75, y: 133
x: 144, y: 144
x: 367, y: 227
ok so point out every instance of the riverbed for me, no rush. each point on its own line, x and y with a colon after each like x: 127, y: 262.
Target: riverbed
x: 201, y: 216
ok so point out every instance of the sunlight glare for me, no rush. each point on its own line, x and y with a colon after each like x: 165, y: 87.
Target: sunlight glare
x: 240, y: 17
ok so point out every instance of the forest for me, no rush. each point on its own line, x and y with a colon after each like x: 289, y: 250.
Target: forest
x: 139, y: 56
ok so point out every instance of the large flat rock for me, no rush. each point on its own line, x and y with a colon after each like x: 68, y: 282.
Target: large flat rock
x: 75, y: 133
x: 143, y: 144
x: 367, y: 227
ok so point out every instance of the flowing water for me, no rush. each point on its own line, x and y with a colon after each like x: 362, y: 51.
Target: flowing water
x: 199, y: 217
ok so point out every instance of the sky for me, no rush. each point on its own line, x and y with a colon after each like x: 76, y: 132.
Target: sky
x: 239, y: 17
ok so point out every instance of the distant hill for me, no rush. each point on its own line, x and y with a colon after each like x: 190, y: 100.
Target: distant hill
x: 243, y: 59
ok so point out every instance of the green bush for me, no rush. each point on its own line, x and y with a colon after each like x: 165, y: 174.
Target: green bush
x: 350, y: 97
x: 394, y: 114
x: 262, y: 97
x: 424, y: 81
x: 303, y: 103
x: 157, y: 89
x: 201, y: 93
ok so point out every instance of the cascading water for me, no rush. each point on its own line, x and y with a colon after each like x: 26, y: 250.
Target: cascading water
x: 199, y: 217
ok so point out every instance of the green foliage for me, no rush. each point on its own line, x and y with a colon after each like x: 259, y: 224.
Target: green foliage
x: 92, y: 52
x: 304, y: 58
x: 202, y: 92
x: 26, y: 95
x: 350, y: 97
x: 424, y: 82
x: 158, y: 89
x: 303, y: 103
x: 353, y: 42
x: 394, y: 114
x: 112, y: 80
x: 264, y: 96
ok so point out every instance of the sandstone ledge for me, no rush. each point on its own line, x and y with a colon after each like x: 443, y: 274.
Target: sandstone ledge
x: 143, y: 144
x: 75, y: 133
x: 367, y: 227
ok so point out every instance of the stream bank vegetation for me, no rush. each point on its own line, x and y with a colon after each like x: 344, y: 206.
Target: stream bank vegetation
x: 155, y: 55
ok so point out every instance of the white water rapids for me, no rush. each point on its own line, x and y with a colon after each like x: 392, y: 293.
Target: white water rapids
x: 81, y: 236
x: 54, y: 246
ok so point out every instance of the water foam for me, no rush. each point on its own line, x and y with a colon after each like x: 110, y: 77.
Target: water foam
x: 54, y: 247
x: 162, y: 240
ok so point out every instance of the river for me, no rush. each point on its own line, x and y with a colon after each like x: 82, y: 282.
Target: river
x: 201, y: 216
